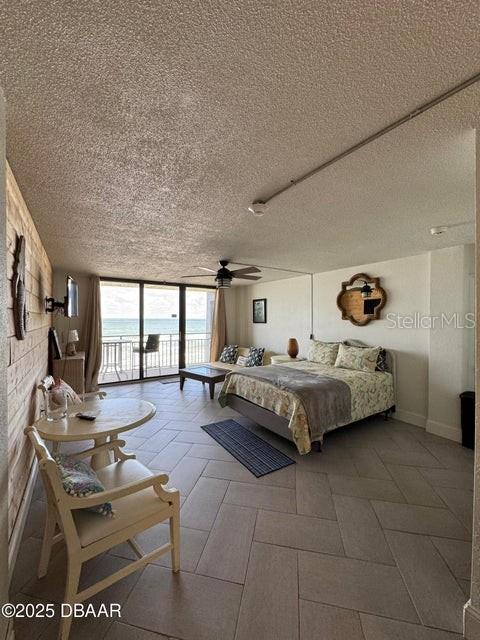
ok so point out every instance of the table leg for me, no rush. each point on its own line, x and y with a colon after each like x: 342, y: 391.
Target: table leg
x: 115, y: 457
x: 102, y: 459
x: 212, y: 389
x: 182, y: 382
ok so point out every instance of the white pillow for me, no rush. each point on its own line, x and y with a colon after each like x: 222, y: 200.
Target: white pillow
x: 323, y: 352
x: 357, y: 358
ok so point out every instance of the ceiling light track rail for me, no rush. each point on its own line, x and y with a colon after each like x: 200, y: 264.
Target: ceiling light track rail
x: 378, y: 134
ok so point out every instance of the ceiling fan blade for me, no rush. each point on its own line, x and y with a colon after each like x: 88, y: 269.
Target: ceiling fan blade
x: 246, y: 270
x: 247, y: 277
x: 206, y: 269
x: 201, y: 275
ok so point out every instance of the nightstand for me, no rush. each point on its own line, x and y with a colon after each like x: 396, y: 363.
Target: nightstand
x: 72, y: 370
x: 281, y: 359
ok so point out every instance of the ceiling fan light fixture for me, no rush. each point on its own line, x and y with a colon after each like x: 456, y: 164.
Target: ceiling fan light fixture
x: 223, y: 283
x: 258, y: 208
x: 224, y: 276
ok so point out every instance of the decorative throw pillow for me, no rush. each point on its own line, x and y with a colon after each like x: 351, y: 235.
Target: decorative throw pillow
x: 382, y: 356
x: 229, y: 354
x: 242, y: 361
x: 382, y: 361
x: 80, y: 480
x: 62, y: 386
x: 323, y: 352
x: 255, y: 357
x: 357, y: 358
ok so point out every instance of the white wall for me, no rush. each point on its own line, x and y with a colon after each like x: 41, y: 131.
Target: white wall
x: 288, y: 314
x: 451, y: 348
x: 408, y: 283
x: 471, y: 619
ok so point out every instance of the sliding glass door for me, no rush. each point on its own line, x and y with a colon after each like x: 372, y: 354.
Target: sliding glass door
x: 198, y: 326
x: 161, y: 330
x: 120, y: 331
x: 152, y: 330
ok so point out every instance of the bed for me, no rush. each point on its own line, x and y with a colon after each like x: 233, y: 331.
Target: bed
x: 274, y: 397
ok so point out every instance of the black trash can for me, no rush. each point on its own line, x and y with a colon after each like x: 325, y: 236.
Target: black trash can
x: 467, y: 399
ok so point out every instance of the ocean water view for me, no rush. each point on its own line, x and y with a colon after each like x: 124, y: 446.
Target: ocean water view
x: 130, y: 327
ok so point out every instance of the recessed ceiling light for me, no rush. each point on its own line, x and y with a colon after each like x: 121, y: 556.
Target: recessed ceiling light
x: 437, y: 231
x: 258, y: 208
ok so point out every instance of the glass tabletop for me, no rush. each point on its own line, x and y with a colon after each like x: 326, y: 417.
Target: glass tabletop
x: 204, y: 370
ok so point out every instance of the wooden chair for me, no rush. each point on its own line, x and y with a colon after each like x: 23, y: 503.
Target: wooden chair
x: 140, y: 501
x: 47, y: 383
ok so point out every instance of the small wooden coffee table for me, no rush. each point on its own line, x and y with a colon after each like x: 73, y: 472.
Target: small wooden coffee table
x: 204, y: 374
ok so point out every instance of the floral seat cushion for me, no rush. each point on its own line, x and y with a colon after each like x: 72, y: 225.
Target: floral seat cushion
x: 80, y: 480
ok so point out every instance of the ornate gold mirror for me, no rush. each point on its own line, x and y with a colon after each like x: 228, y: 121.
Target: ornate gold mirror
x: 361, y: 299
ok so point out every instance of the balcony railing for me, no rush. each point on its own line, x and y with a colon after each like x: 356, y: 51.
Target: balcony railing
x: 121, y: 355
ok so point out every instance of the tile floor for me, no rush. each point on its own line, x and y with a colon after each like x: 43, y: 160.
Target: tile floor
x: 369, y: 540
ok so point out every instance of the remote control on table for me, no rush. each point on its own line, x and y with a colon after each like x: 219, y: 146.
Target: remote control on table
x: 85, y: 416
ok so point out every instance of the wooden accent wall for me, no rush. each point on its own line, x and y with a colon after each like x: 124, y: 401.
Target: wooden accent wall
x: 28, y: 359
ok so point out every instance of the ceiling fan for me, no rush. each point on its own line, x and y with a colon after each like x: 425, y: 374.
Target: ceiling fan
x: 224, y: 276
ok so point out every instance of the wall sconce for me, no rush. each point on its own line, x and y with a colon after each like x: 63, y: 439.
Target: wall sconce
x: 366, y: 290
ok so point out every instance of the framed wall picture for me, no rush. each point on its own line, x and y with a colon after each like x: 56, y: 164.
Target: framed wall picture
x: 54, y: 343
x: 260, y: 310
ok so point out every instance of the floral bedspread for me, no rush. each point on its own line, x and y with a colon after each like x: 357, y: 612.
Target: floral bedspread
x: 371, y: 392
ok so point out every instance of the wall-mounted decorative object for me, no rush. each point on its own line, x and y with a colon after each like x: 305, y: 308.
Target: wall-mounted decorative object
x: 292, y: 347
x: 19, y: 293
x: 54, y: 343
x: 361, y: 299
x: 260, y: 310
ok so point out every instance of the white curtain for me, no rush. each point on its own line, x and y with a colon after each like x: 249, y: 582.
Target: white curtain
x: 219, y: 326
x: 93, y: 336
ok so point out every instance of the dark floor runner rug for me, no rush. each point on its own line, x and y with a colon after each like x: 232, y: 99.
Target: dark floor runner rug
x: 254, y: 453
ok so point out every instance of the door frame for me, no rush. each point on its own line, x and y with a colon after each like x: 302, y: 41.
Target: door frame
x: 182, y: 321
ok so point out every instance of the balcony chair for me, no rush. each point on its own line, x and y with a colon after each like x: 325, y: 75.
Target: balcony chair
x: 152, y: 346
x: 139, y: 499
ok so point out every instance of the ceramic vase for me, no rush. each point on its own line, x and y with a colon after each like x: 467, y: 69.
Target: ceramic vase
x: 292, y: 348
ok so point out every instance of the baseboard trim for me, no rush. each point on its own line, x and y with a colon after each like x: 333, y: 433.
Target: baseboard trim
x: 410, y: 418
x: 438, y: 428
x: 471, y: 622
x: 444, y: 430
x: 17, y: 533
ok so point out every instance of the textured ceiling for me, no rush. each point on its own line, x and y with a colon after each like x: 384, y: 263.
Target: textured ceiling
x: 139, y: 132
